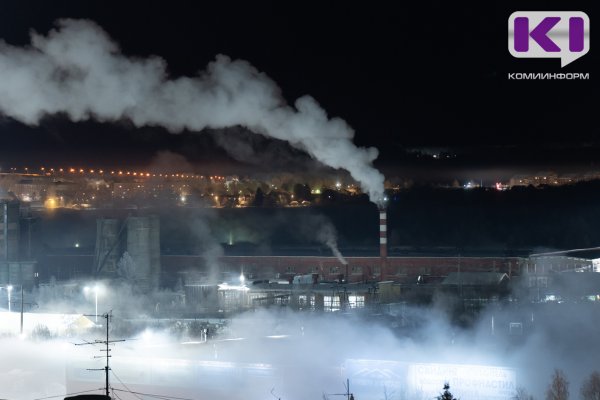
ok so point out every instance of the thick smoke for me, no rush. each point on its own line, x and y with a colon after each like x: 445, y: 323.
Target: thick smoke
x: 79, y: 71
x: 243, y: 145
x: 320, y: 228
x: 170, y: 162
x: 206, y: 242
x: 327, y: 234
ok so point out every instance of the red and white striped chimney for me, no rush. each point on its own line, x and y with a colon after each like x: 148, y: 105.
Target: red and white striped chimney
x: 382, y: 234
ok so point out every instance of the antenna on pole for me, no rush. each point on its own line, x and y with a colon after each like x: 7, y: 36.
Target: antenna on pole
x: 349, y: 396
x: 106, y: 342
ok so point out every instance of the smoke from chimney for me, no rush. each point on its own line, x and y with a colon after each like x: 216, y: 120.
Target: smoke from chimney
x: 79, y: 71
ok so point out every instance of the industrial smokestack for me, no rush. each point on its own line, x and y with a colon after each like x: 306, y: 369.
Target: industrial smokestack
x: 382, y: 243
x: 382, y: 234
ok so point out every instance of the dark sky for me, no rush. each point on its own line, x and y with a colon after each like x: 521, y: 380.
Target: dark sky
x: 405, y: 75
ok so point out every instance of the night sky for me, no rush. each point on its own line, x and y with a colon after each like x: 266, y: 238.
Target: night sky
x: 428, y: 76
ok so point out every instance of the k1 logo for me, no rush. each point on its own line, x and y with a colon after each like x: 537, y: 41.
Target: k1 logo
x: 549, y: 34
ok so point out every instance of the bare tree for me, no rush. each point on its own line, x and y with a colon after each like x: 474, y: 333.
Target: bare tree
x: 446, y: 395
x: 126, y: 268
x: 521, y: 394
x: 387, y: 395
x: 559, y: 387
x: 590, y: 389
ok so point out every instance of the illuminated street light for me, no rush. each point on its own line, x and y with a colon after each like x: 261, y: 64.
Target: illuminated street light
x: 9, y: 289
x: 94, y: 289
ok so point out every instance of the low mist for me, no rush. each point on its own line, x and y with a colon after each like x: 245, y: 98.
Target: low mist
x: 302, y: 355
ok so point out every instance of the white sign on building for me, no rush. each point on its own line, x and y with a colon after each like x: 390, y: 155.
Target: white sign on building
x: 467, y: 382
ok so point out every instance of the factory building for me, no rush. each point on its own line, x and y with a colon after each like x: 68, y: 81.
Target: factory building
x: 130, y: 249
x: 143, y: 246
x: 299, y: 295
x: 13, y: 270
x: 108, y: 246
x: 9, y: 230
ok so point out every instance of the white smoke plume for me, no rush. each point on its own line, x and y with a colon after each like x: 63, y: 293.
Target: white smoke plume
x: 327, y: 235
x: 79, y: 71
x: 322, y: 229
x: 207, y: 243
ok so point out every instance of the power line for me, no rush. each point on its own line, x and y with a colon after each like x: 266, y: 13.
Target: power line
x: 552, y: 253
x: 68, y: 394
x: 155, y: 395
x: 124, y: 385
x: 115, y: 395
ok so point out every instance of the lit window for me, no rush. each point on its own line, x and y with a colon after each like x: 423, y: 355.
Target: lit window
x: 331, y: 303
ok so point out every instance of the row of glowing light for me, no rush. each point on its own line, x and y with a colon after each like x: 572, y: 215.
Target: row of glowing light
x: 50, y: 171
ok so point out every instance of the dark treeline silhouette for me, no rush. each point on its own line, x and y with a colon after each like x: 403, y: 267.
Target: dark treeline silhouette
x: 420, y: 220
x: 555, y: 217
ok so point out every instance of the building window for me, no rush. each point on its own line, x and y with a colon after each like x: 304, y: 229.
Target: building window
x: 289, y: 268
x: 305, y: 301
x: 331, y: 303
x: 538, y: 281
x: 356, y: 301
x: 356, y: 270
x: 334, y: 270
x: 281, y: 300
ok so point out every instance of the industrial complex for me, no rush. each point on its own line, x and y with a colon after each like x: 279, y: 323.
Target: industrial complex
x: 129, y: 250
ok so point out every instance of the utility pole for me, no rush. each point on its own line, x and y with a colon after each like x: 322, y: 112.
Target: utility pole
x: 21, y: 307
x: 107, y: 354
x: 348, y: 395
x: 106, y: 342
x: 348, y: 389
x: 5, y: 226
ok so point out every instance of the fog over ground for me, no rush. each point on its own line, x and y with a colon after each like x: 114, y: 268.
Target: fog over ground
x: 301, y: 355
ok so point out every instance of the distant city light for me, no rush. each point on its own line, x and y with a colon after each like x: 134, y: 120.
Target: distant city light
x: 50, y: 203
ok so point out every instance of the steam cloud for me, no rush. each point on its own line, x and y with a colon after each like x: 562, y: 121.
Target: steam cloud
x: 567, y: 339
x: 79, y: 71
x: 210, y: 248
x: 320, y: 228
x: 328, y: 236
